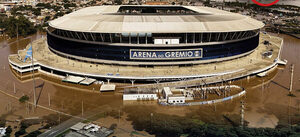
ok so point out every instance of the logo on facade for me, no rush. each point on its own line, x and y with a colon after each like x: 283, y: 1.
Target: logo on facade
x: 165, y: 54
x: 265, y: 5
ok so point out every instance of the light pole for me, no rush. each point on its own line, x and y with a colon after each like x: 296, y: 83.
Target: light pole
x: 151, y: 115
x: 119, y: 115
x: 32, y: 65
x: 291, y: 81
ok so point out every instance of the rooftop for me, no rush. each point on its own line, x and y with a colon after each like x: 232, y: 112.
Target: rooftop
x: 154, y: 19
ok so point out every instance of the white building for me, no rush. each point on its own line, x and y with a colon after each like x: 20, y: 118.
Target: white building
x: 145, y: 96
x: 176, y: 99
x: 172, y: 98
x: 166, y: 92
x: 2, y: 131
x: 6, y: 6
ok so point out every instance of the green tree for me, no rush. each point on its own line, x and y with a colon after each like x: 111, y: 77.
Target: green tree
x: 58, y: 14
x: 8, y: 131
x: 23, y: 99
x: 118, y: 2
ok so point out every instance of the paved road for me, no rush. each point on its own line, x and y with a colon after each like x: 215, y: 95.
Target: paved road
x: 60, y: 128
x: 74, y: 120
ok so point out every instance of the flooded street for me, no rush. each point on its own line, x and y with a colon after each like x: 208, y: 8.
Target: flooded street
x: 266, y: 100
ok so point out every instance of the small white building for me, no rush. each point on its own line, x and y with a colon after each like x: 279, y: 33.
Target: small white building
x: 144, y: 96
x: 176, y: 99
x: 166, y: 92
x: 2, y: 131
x: 173, y: 98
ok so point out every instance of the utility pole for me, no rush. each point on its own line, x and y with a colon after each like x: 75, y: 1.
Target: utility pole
x: 262, y: 86
x: 215, y: 106
x: 82, y: 108
x: 59, y: 118
x: 18, y: 33
x: 32, y: 65
x: 14, y: 87
x: 289, y: 112
x: 49, y: 101
x: 27, y: 108
x: 151, y: 115
x: 242, y: 113
x: 292, y: 75
x: 119, y: 115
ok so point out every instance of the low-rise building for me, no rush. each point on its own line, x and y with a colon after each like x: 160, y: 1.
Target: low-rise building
x: 140, y: 94
x: 2, y: 131
x: 173, y: 98
x: 166, y: 92
x: 143, y: 96
x: 176, y: 99
x: 88, y: 130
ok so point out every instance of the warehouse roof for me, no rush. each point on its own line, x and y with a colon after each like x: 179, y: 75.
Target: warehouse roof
x: 116, y: 19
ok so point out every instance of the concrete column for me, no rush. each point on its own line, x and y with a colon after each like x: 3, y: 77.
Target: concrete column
x: 132, y: 82
x: 186, y: 38
x: 242, y: 114
x: 146, y: 38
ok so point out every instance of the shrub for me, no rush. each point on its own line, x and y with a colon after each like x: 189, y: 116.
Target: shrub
x: 23, y: 99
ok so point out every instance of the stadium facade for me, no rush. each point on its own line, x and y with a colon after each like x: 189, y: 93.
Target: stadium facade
x: 143, y: 43
x: 153, y: 35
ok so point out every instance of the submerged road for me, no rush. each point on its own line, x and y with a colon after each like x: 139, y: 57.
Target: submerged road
x: 59, y: 129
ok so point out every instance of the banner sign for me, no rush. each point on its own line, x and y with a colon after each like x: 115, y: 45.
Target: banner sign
x: 165, y: 54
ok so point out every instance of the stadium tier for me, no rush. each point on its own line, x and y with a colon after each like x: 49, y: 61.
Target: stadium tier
x: 153, y: 35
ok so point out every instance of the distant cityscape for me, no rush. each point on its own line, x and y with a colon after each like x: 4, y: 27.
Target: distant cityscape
x: 278, y: 18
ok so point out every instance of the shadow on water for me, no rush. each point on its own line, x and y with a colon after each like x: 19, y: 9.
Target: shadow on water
x: 41, y: 86
x: 279, y: 85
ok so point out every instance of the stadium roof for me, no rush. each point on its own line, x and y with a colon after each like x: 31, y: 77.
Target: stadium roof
x: 108, y: 19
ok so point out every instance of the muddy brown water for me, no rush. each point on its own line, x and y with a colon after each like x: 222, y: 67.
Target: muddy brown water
x: 267, y: 103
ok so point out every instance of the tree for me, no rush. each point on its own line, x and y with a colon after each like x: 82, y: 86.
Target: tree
x: 36, y: 12
x: 118, y: 2
x: 2, y: 122
x: 47, y: 18
x: 18, y: 25
x: 58, y: 14
x: 33, y: 134
x: 23, y: 99
x: 8, y: 131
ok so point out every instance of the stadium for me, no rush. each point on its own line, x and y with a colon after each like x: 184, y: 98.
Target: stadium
x: 153, y: 35
x: 150, y: 43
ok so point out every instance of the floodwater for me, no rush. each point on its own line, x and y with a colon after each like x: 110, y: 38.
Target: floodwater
x: 266, y: 101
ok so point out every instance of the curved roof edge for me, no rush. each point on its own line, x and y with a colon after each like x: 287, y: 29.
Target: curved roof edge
x: 100, y: 19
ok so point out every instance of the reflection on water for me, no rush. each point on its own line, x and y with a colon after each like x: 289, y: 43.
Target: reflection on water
x: 267, y: 103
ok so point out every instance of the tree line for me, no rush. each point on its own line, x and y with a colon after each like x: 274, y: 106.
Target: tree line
x: 163, y: 125
x: 17, y: 25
